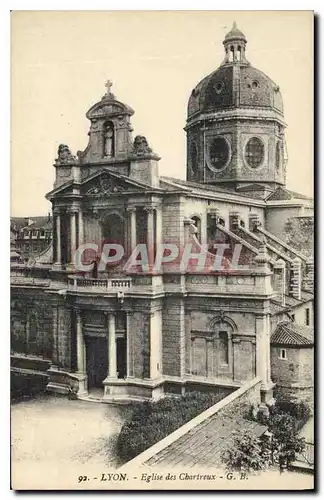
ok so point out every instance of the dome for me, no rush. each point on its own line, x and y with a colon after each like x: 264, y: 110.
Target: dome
x: 235, y: 83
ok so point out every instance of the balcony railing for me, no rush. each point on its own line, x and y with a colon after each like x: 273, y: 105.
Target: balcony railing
x: 75, y: 282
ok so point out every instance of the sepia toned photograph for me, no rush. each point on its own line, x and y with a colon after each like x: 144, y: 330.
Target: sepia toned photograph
x: 162, y: 250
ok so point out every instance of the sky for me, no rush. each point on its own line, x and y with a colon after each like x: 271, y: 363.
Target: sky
x: 60, y: 61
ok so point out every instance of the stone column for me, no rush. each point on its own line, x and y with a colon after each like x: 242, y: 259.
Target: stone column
x: 158, y: 226
x: 112, y: 351
x: 56, y: 318
x: 80, y: 344
x: 132, y: 228
x: 262, y: 348
x: 58, y: 238
x: 150, y: 235
x: 72, y: 235
x: 81, y: 228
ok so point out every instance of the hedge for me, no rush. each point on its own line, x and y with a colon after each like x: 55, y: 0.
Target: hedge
x: 27, y: 385
x: 151, y: 421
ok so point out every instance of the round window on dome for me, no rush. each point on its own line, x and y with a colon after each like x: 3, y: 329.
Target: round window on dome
x: 218, y: 153
x: 254, y: 152
x: 255, y: 84
x: 219, y: 87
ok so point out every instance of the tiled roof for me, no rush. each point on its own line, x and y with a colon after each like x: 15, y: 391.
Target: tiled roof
x: 32, y: 222
x: 203, y: 444
x: 292, y: 334
x: 285, y: 194
x: 276, y: 307
x: 203, y: 187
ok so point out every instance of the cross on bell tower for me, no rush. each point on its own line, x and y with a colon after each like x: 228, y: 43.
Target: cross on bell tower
x: 108, y: 86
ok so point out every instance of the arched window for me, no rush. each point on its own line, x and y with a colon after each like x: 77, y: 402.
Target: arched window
x: 254, y: 152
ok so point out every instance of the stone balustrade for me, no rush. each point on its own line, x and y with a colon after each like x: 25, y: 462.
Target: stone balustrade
x: 76, y: 282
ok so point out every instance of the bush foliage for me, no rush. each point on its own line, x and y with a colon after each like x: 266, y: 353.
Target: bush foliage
x: 248, y: 453
x: 149, y: 422
x: 283, y: 421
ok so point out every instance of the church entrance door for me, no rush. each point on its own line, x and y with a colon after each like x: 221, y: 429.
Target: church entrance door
x: 97, y: 361
x: 121, y: 357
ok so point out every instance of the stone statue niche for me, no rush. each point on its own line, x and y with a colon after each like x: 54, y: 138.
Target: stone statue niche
x: 109, y: 140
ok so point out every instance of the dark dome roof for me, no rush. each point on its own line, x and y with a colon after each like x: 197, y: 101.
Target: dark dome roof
x: 235, y: 85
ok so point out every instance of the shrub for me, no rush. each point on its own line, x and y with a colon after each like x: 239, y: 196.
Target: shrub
x: 151, y: 421
x: 248, y: 453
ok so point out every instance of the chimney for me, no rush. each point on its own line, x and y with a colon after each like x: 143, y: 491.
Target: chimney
x: 295, y: 278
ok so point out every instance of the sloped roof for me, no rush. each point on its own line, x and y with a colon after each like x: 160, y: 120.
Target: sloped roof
x: 36, y: 222
x: 283, y: 194
x: 185, y: 185
x: 203, y: 445
x: 292, y: 334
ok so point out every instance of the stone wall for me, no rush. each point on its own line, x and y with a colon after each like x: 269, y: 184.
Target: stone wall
x: 294, y: 376
x: 31, y: 323
x: 173, y: 337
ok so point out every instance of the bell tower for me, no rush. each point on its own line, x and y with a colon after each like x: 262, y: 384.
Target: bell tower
x: 235, y: 125
x: 110, y: 134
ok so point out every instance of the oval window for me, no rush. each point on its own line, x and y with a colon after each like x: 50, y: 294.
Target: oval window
x: 218, y: 153
x: 254, y: 152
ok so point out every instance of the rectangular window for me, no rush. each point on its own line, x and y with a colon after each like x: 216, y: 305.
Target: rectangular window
x: 307, y: 318
x: 283, y: 354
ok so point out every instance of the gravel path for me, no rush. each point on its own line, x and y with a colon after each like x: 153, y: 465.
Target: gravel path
x: 49, y: 430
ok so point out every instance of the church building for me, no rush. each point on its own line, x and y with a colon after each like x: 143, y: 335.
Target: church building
x: 117, y: 332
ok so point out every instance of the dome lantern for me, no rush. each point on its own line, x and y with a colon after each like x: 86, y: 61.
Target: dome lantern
x: 234, y: 44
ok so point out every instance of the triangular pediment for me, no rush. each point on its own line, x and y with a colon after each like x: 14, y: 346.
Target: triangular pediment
x: 102, y: 183
x: 61, y: 190
x: 107, y: 182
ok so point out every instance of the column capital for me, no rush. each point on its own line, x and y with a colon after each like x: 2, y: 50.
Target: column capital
x: 131, y: 208
x: 57, y: 211
x: 149, y: 208
x: 72, y: 211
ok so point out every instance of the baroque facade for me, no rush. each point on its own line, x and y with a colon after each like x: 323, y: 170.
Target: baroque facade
x: 134, y: 333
